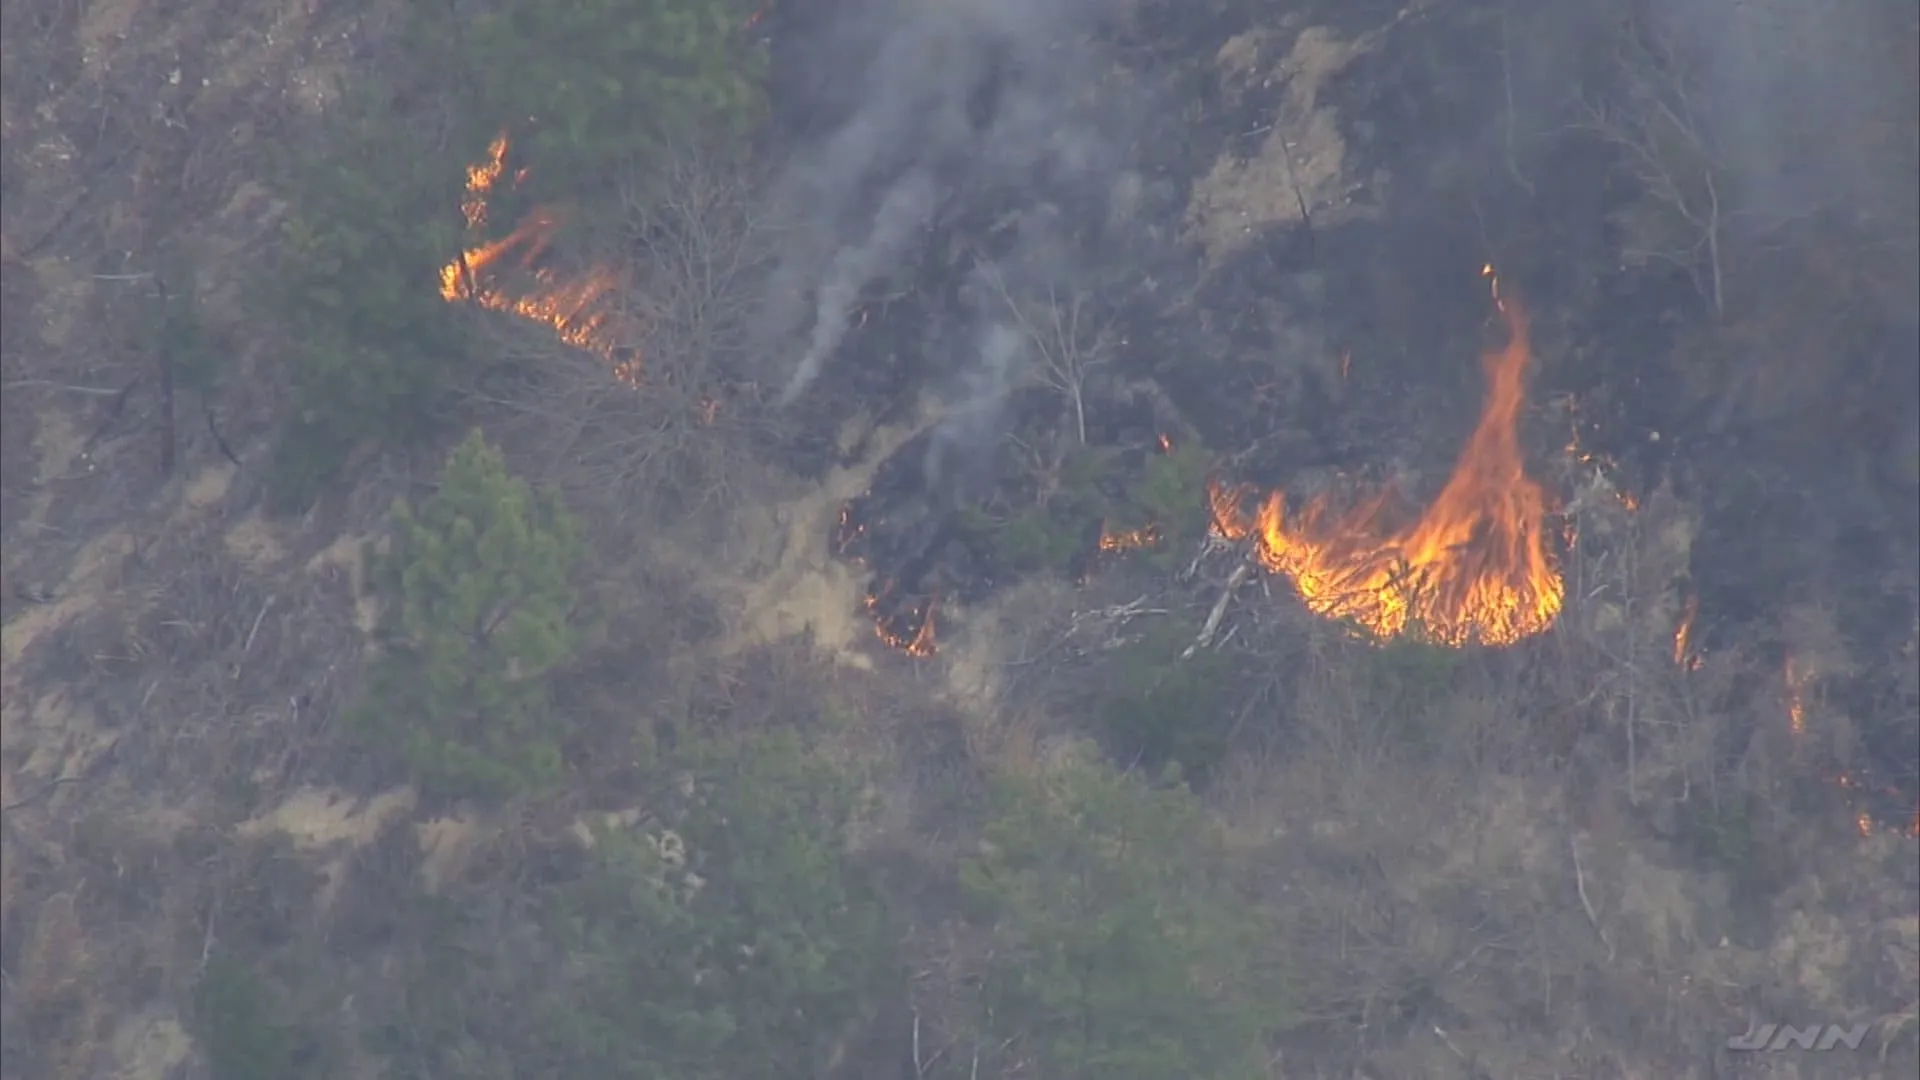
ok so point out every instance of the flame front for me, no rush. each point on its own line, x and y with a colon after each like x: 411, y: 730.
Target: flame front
x: 1473, y: 568
x: 573, y: 309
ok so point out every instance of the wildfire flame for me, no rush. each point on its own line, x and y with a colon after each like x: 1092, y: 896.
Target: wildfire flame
x: 906, y: 627
x: 1865, y: 821
x: 575, y: 309
x: 1683, y: 651
x: 1798, y: 677
x: 1473, y: 567
x: 1116, y: 540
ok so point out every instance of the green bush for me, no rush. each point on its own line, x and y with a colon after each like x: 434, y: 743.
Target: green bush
x: 1168, y: 710
x: 1396, y: 683
x: 1035, y: 540
x: 180, y: 332
x: 1120, y: 950
x: 731, y: 937
x: 743, y: 951
x: 1049, y: 538
x: 597, y: 96
x: 1166, y: 495
x: 601, y: 92
x: 372, y: 346
x: 241, y: 1027
x: 1171, y: 494
x: 476, y: 612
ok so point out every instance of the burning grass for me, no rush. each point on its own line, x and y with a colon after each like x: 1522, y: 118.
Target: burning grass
x: 1474, y: 567
x: 576, y: 308
x: 903, y: 607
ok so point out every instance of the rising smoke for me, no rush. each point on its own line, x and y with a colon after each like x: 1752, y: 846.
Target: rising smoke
x: 962, y: 98
x: 1810, y: 109
x: 903, y: 214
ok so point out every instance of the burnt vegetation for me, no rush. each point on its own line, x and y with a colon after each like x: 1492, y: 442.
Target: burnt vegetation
x: 708, y: 539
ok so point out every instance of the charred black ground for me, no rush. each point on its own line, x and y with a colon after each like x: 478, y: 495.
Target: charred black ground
x: 1788, y: 510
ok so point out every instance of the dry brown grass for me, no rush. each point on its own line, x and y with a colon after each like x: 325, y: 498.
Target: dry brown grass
x: 58, y: 989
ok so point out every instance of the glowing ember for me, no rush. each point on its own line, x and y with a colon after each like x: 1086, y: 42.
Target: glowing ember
x: 1683, y: 652
x: 1128, y: 539
x: 906, y: 627
x: 574, y: 309
x: 847, y: 533
x: 1473, y: 568
x: 1798, y: 678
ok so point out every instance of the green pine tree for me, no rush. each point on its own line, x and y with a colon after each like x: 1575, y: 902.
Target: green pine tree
x: 738, y: 945
x: 731, y: 936
x: 371, y: 348
x: 1121, y: 953
x: 600, y: 96
x: 477, y: 605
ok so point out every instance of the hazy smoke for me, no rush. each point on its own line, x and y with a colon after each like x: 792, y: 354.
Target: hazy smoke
x: 902, y: 215
x: 975, y: 415
x: 962, y: 97
x: 1809, y: 106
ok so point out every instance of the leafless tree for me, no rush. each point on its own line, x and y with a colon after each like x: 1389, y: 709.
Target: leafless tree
x: 1666, y: 148
x: 649, y: 414
x: 1068, y: 338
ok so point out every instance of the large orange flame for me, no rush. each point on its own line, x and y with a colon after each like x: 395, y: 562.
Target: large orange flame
x: 575, y: 309
x: 1473, y: 568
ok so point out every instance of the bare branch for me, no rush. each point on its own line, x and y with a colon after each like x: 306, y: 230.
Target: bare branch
x: 1068, y: 350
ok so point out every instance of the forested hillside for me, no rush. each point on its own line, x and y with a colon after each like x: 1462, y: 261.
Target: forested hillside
x: 1031, y: 539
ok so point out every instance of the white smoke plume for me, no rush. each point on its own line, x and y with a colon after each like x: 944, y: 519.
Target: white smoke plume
x: 975, y: 414
x: 902, y: 216
x: 961, y: 96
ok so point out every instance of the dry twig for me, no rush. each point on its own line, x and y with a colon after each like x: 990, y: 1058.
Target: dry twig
x: 1580, y: 884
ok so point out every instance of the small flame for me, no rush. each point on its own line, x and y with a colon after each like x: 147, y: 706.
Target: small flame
x: 1603, y: 465
x: 1473, y: 567
x: 1865, y: 820
x: 1683, y: 653
x: 1128, y: 539
x: 1798, y: 677
x: 908, y: 628
x: 902, y: 619
x: 481, y: 177
x: 574, y: 309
